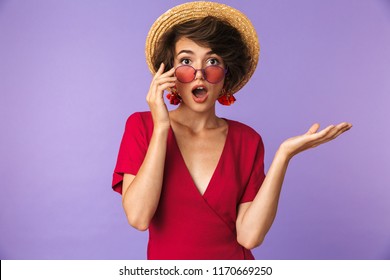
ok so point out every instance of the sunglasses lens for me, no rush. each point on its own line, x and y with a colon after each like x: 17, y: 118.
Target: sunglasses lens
x: 185, y: 74
x: 214, y: 74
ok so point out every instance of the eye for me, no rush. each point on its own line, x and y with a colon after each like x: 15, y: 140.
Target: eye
x: 185, y: 61
x: 213, y: 61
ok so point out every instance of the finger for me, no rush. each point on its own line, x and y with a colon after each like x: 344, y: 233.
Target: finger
x: 323, y: 136
x: 163, y: 78
x: 156, y: 79
x: 160, y: 79
x: 169, y: 73
x: 158, y: 86
x: 345, y: 127
x: 339, y: 133
x: 161, y: 88
x: 172, y: 70
x: 332, y: 129
x: 159, y: 72
x: 334, y: 132
x: 341, y: 127
x: 160, y: 69
x: 325, y: 131
x: 329, y: 133
x: 152, y: 88
x: 313, y: 129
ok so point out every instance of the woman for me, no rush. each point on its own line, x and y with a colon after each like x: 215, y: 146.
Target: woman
x: 195, y: 180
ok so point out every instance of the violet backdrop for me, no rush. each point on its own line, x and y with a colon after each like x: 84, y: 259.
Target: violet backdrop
x: 71, y: 72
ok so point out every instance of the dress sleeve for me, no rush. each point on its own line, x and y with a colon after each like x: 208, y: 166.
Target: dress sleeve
x: 132, y: 151
x: 257, y: 175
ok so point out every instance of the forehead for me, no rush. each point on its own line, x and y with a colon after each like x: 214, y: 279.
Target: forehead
x: 188, y: 46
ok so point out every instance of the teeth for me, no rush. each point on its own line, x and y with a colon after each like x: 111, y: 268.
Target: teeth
x: 199, y: 88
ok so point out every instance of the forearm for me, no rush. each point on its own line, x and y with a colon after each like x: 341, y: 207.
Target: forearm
x: 255, y: 220
x: 259, y: 216
x: 141, y: 197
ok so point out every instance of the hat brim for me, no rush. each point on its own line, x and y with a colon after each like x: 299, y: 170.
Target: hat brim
x: 196, y: 10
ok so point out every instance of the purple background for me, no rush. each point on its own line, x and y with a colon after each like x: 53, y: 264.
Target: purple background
x: 72, y: 71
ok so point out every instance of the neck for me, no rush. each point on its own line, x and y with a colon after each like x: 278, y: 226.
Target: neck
x: 196, y: 121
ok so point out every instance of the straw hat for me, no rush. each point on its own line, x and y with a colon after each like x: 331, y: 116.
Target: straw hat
x: 201, y: 9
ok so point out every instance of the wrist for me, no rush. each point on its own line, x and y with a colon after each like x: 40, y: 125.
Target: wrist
x: 161, y: 129
x: 284, y: 154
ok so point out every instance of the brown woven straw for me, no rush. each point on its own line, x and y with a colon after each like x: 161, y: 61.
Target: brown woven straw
x: 196, y: 10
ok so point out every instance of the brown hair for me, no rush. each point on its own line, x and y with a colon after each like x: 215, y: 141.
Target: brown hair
x: 218, y: 35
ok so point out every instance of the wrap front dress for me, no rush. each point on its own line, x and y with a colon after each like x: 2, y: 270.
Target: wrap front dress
x: 188, y: 225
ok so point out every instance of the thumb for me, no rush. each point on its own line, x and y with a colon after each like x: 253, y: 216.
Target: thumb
x: 313, y: 129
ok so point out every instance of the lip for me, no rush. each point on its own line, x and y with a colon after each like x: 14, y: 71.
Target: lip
x: 199, y: 85
x: 200, y: 99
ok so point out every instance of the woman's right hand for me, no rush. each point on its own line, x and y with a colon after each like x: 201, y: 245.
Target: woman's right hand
x: 155, y: 98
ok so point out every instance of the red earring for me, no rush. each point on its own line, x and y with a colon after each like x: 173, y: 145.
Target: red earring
x: 226, y: 98
x: 173, y: 96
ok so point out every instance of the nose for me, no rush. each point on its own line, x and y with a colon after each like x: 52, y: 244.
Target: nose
x: 199, y: 74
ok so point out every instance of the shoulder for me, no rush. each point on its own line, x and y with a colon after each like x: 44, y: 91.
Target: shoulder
x: 245, y: 138
x: 246, y: 145
x: 140, y: 124
x: 140, y: 118
x: 243, y: 130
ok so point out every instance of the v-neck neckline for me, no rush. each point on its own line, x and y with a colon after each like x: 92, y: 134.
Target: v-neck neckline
x: 207, y: 190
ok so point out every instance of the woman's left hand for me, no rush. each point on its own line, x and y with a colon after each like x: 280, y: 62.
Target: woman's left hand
x: 312, y: 138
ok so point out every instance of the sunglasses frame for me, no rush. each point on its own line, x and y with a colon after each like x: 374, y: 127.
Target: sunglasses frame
x: 203, y: 70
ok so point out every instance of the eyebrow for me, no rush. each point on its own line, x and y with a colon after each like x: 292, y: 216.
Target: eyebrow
x: 191, y: 52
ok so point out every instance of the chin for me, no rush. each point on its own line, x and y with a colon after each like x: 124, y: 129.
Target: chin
x: 199, y: 107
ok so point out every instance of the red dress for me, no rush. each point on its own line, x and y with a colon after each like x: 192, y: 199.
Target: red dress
x: 188, y: 225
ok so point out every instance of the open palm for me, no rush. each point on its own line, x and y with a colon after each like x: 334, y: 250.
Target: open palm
x: 312, y: 138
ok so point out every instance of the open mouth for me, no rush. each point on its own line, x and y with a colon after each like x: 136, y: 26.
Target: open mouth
x: 199, y: 92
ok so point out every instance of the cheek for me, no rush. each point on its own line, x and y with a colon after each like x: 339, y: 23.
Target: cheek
x: 216, y: 89
x: 220, y: 85
x: 182, y: 88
